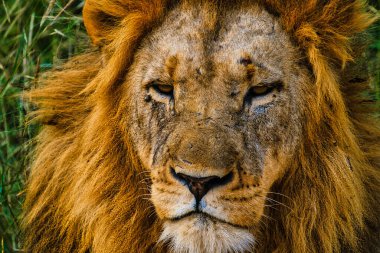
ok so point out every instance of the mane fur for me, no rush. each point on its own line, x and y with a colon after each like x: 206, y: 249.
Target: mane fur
x: 86, y: 187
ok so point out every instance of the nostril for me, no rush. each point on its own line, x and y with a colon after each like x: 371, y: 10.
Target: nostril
x: 177, y: 176
x: 199, y: 186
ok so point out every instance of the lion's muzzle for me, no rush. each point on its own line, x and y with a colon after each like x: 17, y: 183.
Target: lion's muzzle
x: 201, y: 168
x: 199, y: 186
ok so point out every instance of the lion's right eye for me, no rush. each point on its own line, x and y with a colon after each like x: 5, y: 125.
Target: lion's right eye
x: 163, y: 89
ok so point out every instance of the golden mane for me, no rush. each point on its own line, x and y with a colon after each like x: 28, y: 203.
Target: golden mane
x: 85, y: 193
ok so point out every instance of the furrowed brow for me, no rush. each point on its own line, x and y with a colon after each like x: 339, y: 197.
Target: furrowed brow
x: 171, y: 66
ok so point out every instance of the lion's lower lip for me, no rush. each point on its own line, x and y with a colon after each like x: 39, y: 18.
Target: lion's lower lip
x: 187, y: 215
x: 203, y: 215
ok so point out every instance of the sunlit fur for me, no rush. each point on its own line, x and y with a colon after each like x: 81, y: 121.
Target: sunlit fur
x: 86, y: 191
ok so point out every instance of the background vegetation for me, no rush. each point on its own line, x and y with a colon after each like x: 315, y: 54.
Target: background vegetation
x: 34, y: 36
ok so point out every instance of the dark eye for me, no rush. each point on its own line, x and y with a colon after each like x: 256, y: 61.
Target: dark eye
x: 262, y: 90
x: 163, y: 89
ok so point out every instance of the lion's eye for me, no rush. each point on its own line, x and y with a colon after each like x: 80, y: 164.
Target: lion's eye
x: 163, y: 89
x: 261, y: 91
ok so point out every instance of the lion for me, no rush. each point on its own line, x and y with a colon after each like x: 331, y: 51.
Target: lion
x: 209, y: 126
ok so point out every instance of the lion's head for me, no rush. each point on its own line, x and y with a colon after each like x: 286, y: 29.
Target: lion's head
x: 208, y: 126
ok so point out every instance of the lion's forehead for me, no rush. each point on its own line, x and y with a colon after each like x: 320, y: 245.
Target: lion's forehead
x: 200, y: 36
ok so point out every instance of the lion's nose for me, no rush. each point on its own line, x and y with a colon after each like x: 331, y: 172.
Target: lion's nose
x: 199, y: 186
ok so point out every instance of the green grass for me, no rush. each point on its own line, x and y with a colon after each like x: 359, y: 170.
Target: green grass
x: 374, y: 50
x: 34, y: 36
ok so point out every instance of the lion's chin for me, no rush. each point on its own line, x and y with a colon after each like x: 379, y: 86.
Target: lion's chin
x: 201, y: 234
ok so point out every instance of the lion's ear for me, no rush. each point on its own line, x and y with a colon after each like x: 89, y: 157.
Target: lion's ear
x: 327, y: 26
x: 117, y: 26
x: 101, y: 17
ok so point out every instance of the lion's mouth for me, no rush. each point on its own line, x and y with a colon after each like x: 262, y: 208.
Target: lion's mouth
x: 204, y: 217
x: 201, y: 232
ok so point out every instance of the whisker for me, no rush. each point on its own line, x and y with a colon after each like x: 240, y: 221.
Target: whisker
x: 267, y: 217
x: 146, y: 190
x: 152, y: 211
x: 144, y: 181
x: 280, y: 194
x: 143, y: 172
x: 279, y: 203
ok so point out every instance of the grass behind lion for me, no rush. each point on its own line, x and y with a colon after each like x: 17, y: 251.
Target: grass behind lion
x: 34, y: 36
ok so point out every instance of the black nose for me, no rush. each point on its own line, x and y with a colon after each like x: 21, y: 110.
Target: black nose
x: 199, y: 186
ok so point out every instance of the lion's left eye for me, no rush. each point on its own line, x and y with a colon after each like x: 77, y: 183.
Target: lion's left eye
x: 261, y: 91
x: 163, y: 89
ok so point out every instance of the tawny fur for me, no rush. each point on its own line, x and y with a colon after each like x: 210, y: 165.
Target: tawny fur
x: 84, y: 193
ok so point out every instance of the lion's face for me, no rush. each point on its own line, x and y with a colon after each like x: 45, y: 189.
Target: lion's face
x: 208, y: 126
x: 215, y: 110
